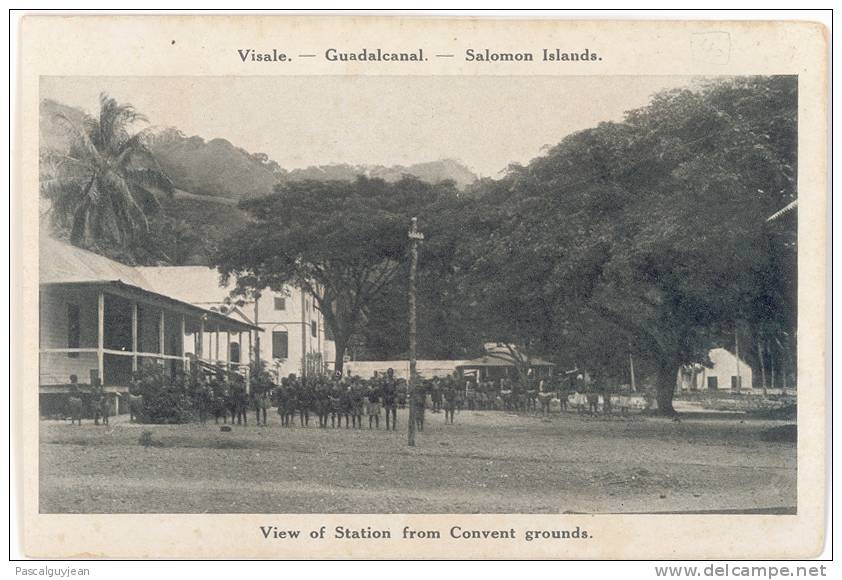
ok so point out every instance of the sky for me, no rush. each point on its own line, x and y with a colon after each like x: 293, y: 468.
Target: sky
x: 486, y: 122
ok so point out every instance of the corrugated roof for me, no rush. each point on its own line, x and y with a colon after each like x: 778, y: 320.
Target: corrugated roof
x: 493, y: 361
x: 194, y: 284
x: 62, y: 263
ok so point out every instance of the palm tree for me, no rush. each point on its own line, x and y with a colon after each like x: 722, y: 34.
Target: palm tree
x: 103, y: 187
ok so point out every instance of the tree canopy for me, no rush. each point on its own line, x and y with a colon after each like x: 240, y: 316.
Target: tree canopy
x: 343, y: 242
x: 102, y: 190
x: 648, y: 234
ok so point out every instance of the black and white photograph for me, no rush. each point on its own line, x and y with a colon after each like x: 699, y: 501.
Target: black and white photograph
x: 427, y: 294
x: 352, y: 286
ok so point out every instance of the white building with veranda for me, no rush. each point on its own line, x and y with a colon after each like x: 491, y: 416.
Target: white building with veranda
x: 293, y: 340
x: 100, y: 321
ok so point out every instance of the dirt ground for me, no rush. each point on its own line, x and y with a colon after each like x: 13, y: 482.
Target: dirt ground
x: 488, y: 462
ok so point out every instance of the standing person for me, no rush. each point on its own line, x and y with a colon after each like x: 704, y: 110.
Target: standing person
x: 624, y: 400
x: 335, y: 399
x: 544, y: 396
x: 606, y: 400
x: 357, y: 408
x: 261, y: 402
x: 563, y: 395
x: 292, y: 400
x: 204, y: 399
x: 450, y: 395
x: 390, y: 399
x: 436, y: 395
x: 305, y: 403
x: 102, y: 408
x: 531, y: 394
x: 593, y: 399
x: 280, y: 396
x: 471, y: 395
x: 419, y: 400
x: 347, y: 406
x: 374, y: 402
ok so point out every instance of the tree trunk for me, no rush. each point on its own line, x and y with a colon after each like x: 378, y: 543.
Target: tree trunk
x: 762, y: 366
x: 341, y: 343
x: 665, y: 388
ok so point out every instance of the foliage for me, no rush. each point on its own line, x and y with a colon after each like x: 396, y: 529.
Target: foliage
x: 343, y: 242
x: 102, y: 188
x: 164, y: 400
x: 647, y: 235
x: 260, y: 377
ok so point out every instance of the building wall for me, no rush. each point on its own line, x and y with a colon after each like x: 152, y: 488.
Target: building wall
x: 426, y: 369
x: 53, y: 316
x: 296, y: 319
x: 56, y: 368
x: 724, y: 368
x: 201, y: 286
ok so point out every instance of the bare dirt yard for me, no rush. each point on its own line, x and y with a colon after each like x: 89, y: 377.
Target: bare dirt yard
x: 488, y: 462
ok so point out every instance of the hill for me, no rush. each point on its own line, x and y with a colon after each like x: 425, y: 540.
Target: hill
x: 213, y: 168
x: 218, y: 168
x: 431, y: 172
x: 53, y: 133
x: 211, y: 176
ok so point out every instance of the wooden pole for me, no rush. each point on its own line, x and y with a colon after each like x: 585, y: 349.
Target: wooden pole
x: 737, y: 352
x: 228, y: 349
x: 631, y: 371
x: 162, y: 340
x: 162, y: 335
x: 415, y: 236
x: 100, y: 336
x: 762, y: 366
x: 303, y: 341
x: 183, y: 334
x: 134, y: 337
x: 216, y: 345
x: 256, y: 333
x: 771, y: 352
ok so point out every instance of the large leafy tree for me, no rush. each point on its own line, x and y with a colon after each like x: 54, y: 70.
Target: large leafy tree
x: 647, y: 235
x: 102, y: 189
x: 446, y: 329
x: 343, y: 242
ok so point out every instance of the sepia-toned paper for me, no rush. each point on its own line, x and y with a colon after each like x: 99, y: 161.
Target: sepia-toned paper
x: 206, y: 46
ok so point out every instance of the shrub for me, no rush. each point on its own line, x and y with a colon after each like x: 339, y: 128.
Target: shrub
x: 164, y: 400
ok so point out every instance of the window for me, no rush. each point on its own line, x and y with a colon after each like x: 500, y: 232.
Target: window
x: 713, y: 383
x: 280, y: 303
x: 74, y: 329
x: 314, y: 328
x: 234, y: 356
x: 736, y: 382
x: 280, y: 344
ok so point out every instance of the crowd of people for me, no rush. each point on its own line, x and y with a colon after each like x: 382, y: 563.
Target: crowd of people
x: 331, y: 401
x: 355, y: 399
x: 351, y: 400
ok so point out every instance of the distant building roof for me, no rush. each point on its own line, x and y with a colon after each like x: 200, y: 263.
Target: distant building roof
x: 63, y: 263
x: 502, y: 361
x: 498, y: 354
